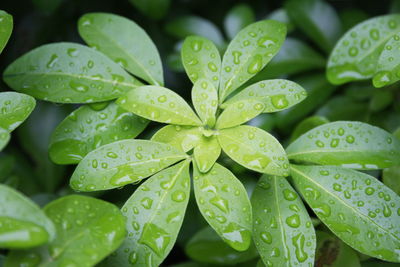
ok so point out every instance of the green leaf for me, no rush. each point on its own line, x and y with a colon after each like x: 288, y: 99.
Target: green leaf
x: 24, y: 225
x: 206, y: 153
x: 15, y: 108
x: 349, y: 144
x: 318, y: 91
x: 255, y: 149
x: 201, y: 60
x: 223, y: 201
x: 155, y: 9
x: 68, y: 73
x: 282, y: 230
x: 237, y: 18
x: 123, y: 162
x: 281, y: 15
x: 388, y: 65
x: 356, y: 207
x: 240, y: 112
x: 86, y: 129
x: 48, y: 7
x: 159, y: 104
x: 4, y: 138
x: 154, y: 216
x: 6, y: 27
x: 351, y: 17
x: 207, y: 247
x: 317, y: 19
x: 183, y: 138
x: 380, y: 100
x: 390, y: 178
x: 248, y: 53
x: 117, y: 37
x: 205, y: 101
x: 294, y: 57
x: 351, y: 110
x: 331, y: 251
x: 356, y: 54
x: 307, y: 125
x: 275, y: 94
x: 88, y: 229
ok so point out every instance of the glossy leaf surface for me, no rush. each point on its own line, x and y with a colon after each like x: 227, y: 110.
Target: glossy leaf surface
x: 251, y: 49
x: 388, y: 66
x: 24, y: 225
x: 317, y: 19
x: 307, y: 125
x: 86, y: 129
x: 159, y: 104
x: 237, y: 18
x: 123, y: 162
x: 206, y: 153
x: 68, y: 73
x: 4, y: 138
x: 183, y: 138
x: 88, y: 230
x: 282, y: 230
x: 356, y: 54
x: 14, y: 109
x: 354, y: 145
x: 117, y: 37
x: 201, y: 60
x: 154, y: 216
x: 207, y: 247
x: 391, y: 177
x: 223, y: 201
x: 205, y: 101
x: 155, y: 9
x: 275, y: 94
x: 240, y: 112
x: 254, y: 149
x: 356, y: 207
x: 6, y: 27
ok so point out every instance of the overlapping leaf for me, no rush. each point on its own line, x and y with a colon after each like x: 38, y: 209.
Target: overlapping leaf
x: 206, y: 153
x: 6, y: 27
x: 205, y: 101
x: 183, y: 138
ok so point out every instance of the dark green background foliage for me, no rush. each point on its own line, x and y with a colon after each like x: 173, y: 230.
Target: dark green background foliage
x: 200, y: 133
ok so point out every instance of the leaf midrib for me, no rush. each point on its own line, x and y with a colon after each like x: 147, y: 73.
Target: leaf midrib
x: 344, y: 203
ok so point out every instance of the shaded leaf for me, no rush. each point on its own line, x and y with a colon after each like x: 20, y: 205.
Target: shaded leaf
x: 345, y: 201
x: 282, y: 229
x: 183, y: 138
x: 68, y: 73
x: 248, y: 53
x: 391, y: 177
x: 237, y: 18
x: 117, y: 37
x: 15, y: 108
x: 86, y: 129
x: 159, y: 104
x: 205, y: 101
x: 6, y: 27
x: 388, y: 65
x: 281, y: 15
x: 4, y: 138
x: 349, y: 144
x: 123, y: 162
x: 206, y: 153
x: 255, y: 149
x: 155, y: 9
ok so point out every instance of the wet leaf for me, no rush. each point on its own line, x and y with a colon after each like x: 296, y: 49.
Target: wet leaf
x: 390, y: 178
x: 185, y: 26
x: 331, y: 251
x: 239, y: 112
x: 122, y: 162
x: 4, y: 138
x: 155, y: 9
x: 88, y: 229
x: 201, y: 60
x: 282, y: 229
x: 355, y: 206
x: 183, y: 138
x: 6, y: 27
x: 255, y: 149
x: 237, y: 18
x: 248, y: 53
x: 14, y: 109
x: 117, y: 37
x: 23, y: 224
x: 307, y: 125
x: 275, y: 94
x: 68, y: 73
x: 223, y: 201
x: 356, y: 54
x: 205, y: 101
x: 317, y: 19
x: 388, y: 65
x: 281, y: 15
x: 206, y: 153
x: 159, y: 104
x: 86, y: 129
x: 207, y: 247
x: 348, y: 144
x: 154, y: 216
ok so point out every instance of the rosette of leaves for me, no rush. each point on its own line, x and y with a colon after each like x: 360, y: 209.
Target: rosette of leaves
x: 156, y: 209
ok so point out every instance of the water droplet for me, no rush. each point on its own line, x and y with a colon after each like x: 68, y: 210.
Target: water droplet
x: 255, y: 65
x: 79, y: 87
x: 146, y: 202
x: 289, y: 195
x: 178, y: 196
x: 293, y: 221
x: 212, y: 67
x: 196, y: 45
x: 220, y: 203
x: 53, y: 60
x: 162, y: 99
x: 298, y: 243
x: 369, y: 191
x: 350, y: 139
x: 156, y: 238
x: 236, y: 56
x: 279, y: 101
